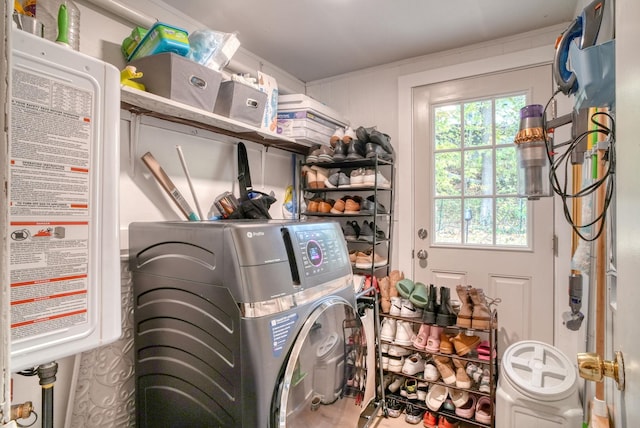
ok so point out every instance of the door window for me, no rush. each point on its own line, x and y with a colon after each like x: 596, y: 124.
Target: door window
x: 475, y: 173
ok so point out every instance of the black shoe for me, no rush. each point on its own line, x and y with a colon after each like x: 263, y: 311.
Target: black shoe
x: 394, y: 407
x: 373, y: 149
x: 430, y: 313
x: 446, y: 317
x: 340, y: 151
x: 363, y: 133
x: 356, y: 227
x: 355, y: 150
x: 370, y: 204
x: 383, y: 140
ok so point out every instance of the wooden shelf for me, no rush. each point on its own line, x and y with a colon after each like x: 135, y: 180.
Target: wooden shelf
x: 149, y: 104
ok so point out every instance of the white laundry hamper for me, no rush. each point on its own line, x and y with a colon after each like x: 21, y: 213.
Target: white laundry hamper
x: 537, y: 388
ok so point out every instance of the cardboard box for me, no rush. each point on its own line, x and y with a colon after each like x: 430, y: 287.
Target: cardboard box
x: 241, y: 102
x: 180, y: 79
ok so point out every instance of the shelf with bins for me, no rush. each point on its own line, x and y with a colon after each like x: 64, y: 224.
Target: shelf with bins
x: 487, y: 366
x: 152, y: 105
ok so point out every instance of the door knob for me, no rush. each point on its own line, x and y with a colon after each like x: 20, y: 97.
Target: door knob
x: 423, y: 255
x: 592, y: 367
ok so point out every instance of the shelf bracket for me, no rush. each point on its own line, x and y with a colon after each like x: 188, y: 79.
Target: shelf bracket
x: 134, y: 133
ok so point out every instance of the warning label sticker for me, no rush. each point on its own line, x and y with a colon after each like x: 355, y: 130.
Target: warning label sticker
x: 49, y: 266
x: 49, y: 204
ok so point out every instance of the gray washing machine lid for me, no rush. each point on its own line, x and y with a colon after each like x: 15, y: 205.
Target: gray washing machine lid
x: 539, y: 370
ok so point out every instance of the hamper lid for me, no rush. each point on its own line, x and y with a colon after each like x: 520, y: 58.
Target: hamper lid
x: 539, y: 370
x: 327, y: 345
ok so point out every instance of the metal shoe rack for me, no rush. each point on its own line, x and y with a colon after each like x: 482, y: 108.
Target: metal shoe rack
x: 491, y: 364
x: 378, y: 220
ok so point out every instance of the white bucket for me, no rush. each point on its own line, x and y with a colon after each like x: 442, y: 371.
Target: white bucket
x: 538, y: 388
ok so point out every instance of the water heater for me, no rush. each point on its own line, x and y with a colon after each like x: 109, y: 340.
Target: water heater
x: 63, y: 201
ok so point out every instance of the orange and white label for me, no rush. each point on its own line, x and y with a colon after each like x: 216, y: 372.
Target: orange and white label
x: 49, y: 263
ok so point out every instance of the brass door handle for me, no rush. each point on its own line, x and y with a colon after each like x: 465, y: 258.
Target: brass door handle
x: 592, y: 367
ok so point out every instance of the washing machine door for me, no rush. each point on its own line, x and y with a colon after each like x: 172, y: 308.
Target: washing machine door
x: 324, y: 381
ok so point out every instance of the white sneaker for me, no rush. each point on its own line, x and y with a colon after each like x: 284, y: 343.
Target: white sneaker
x: 404, y: 333
x: 356, y: 177
x: 398, y: 351
x: 410, y: 311
x: 411, y: 386
x: 396, y: 306
x: 378, y: 180
x: 423, y: 387
x: 349, y: 132
x: 385, y: 362
x: 397, y: 382
x: 431, y: 373
x: 413, y: 364
x: 485, y: 383
x: 388, y: 330
x: 386, y: 381
x: 395, y: 365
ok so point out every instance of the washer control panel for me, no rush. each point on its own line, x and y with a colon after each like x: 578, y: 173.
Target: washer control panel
x: 321, y: 250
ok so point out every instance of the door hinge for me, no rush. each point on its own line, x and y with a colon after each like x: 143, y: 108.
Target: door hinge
x: 413, y: 254
x: 554, y: 245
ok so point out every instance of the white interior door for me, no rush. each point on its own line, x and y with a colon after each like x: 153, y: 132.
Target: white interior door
x: 624, y: 294
x: 512, y: 266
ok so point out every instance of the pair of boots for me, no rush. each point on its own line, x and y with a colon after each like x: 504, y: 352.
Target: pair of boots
x: 440, y: 314
x: 474, y: 311
x: 388, y: 289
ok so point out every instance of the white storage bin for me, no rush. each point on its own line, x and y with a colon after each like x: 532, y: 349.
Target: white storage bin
x: 298, y: 102
x: 538, y: 388
x: 307, y: 120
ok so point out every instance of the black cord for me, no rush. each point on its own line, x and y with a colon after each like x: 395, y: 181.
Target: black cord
x: 32, y: 371
x: 563, y: 161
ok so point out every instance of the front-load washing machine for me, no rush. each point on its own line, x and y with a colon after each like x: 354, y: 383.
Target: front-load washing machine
x: 241, y: 323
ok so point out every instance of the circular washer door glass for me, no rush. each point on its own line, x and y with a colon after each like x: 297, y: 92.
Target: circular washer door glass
x: 323, y: 382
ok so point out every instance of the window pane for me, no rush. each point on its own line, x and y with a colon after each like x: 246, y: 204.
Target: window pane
x: 447, y: 127
x: 447, y: 221
x: 448, y: 171
x: 506, y: 171
x: 508, y: 118
x: 478, y: 219
x: 478, y: 172
x: 478, y: 123
x: 511, y: 221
